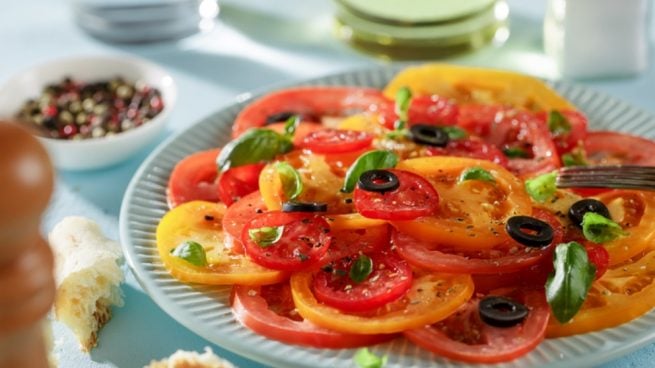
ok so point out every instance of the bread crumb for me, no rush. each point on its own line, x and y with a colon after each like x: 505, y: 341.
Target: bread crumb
x: 191, y: 359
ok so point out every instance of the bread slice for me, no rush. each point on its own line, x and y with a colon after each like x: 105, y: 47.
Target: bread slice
x: 191, y: 359
x: 88, y: 275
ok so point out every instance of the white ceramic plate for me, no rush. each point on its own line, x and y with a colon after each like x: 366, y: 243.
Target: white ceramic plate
x: 205, y: 310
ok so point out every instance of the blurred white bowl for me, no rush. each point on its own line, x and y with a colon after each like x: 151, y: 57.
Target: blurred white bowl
x: 92, y: 153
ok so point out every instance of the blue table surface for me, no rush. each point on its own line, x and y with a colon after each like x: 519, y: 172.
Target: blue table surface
x: 255, y: 43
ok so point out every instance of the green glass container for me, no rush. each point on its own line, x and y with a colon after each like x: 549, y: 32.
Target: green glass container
x: 421, y: 29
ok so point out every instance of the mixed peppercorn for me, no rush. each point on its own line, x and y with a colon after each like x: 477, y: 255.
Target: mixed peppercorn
x: 76, y: 110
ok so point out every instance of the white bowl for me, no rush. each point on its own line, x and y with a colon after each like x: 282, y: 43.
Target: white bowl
x: 97, y: 152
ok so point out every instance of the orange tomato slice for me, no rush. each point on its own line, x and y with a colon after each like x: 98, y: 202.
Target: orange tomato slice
x: 473, y: 213
x: 431, y: 298
x: 201, y: 222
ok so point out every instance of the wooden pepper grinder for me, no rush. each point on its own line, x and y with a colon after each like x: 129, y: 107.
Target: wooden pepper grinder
x: 27, y: 285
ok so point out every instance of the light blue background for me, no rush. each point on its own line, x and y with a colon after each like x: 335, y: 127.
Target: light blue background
x: 255, y: 44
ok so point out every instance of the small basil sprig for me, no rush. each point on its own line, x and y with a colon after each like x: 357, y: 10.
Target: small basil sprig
x: 364, y: 358
x: 515, y: 152
x: 291, y: 181
x: 542, y: 187
x: 403, y: 100
x: 476, y: 173
x: 266, y: 236
x: 255, y: 145
x: 574, y: 158
x: 599, y: 229
x: 191, y: 252
x: 291, y: 125
x: 372, y: 160
x: 567, y: 286
x: 558, y: 124
x: 454, y: 133
x: 361, y: 268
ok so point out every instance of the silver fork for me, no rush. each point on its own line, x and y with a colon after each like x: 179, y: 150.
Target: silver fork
x: 612, y: 176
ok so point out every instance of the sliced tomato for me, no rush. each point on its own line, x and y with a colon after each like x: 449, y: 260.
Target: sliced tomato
x: 308, y: 101
x: 431, y: 298
x: 304, y: 240
x: 471, y: 147
x: 622, y: 294
x: 509, y: 256
x: 194, y: 178
x: 508, y: 128
x: 464, y: 336
x: 336, y: 141
x: 428, y: 109
x: 302, y: 130
x: 365, y: 239
x: 237, y: 216
x: 270, y: 312
x: 201, y: 222
x: 390, y: 278
x: 599, y: 257
x: 472, y: 213
x: 612, y: 148
x: 238, y: 182
x: 414, y: 197
x: 576, y: 136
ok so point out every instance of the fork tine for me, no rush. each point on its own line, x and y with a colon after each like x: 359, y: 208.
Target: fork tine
x: 614, y: 176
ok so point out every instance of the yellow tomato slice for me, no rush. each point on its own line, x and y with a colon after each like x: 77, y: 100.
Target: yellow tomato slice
x: 635, y: 212
x: 431, y: 298
x: 352, y: 221
x: 478, y: 85
x: 624, y: 293
x: 201, y: 222
x: 472, y: 214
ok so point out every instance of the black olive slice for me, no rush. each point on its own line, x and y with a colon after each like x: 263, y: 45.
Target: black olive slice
x: 579, y: 208
x: 499, y: 311
x: 279, y: 117
x: 304, y: 207
x: 539, y: 233
x: 378, y: 181
x: 429, y: 134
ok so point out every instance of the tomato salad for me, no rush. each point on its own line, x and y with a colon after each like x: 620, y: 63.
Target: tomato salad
x: 348, y: 216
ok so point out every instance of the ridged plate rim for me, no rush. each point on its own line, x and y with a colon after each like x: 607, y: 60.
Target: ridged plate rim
x: 205, y: 310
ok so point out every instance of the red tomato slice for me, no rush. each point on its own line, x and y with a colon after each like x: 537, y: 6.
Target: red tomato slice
x: 472, y: 147
x: 426, y: 109
x: 509, y: 128
x: 313, y: 101
x: 612, y: 148
x: 463, y: 336
x: 237, y: 216
x: 194, y: 178
x: 270, y: 312
x: 348, y: 241
x: 302, y: 130
x: 509, y: 256
x: 238, y: 182
x: 336, y: 141
x: 389, y: 279
x: 304, y: 241
x: 415, y: 197
x: 599, y: 257
x: 577, y: 135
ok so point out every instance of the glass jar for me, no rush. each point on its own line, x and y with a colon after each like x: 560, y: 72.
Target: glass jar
x: 420, y: 29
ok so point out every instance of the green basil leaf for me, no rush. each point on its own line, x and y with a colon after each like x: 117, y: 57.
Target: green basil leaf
x: 364, y: 358
x: 454, y: 133
x: 371, y: 160
x: 574, y: 158
x: 600, y: 229
x: 266, y: 236
x: 398, y: 134
x: 515, y: 152
x: 255, y: 145
x: 191, y: 252
x: 403, y: 99
x: 360, y: 270
x: 542, y: 187
x: 476, y: 173
x: 558, y: 124
x: 291, y: 180
x: 291, y: 125
x: 568, y: 284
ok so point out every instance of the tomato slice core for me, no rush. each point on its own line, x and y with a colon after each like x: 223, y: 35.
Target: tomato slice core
x: 194, y: 178
x: 336, y: 141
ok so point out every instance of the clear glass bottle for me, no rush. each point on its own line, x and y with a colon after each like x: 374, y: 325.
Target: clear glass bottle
x: 420, y: 29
